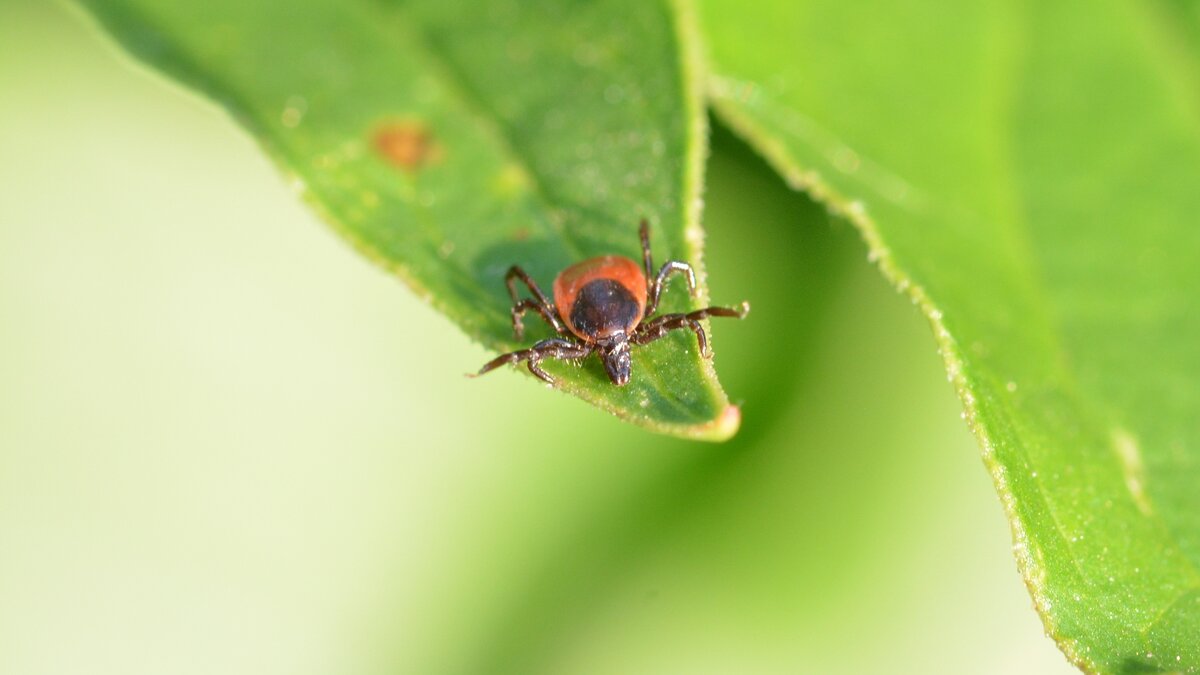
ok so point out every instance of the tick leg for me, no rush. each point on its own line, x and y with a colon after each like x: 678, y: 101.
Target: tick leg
x: 665, y: 271
x: 522, y: 306
x: 660, y: 326
x: 654, y: 282
x: 542, y: 305
x: 554, y: 348
x: 648, y: 262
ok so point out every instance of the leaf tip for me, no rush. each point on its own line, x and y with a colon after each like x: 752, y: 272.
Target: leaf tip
x: 722, y: 427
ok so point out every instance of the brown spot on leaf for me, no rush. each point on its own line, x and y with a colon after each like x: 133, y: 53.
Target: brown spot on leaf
x: 409, y: 145
x: 520, y: 234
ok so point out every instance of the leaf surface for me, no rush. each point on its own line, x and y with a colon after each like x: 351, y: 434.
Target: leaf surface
x: 448, y: 141
x: 1029, y: 174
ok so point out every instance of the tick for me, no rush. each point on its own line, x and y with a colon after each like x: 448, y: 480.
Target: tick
x: 604, y: 305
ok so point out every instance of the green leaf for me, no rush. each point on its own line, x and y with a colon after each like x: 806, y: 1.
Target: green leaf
x: 450, y: 140
x: 1029, y: 174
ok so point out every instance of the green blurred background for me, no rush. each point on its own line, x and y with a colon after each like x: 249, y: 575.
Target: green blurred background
x: 230, y: 445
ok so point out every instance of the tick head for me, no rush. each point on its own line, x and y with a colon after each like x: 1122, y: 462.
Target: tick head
x: 615, y: 354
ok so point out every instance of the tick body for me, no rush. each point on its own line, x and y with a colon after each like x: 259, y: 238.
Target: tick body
x: 604, y: 305
x: 601, y: 297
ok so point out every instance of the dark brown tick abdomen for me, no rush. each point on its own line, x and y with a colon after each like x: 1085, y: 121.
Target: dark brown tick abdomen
x: 603, y: 307
x: 601, y: 296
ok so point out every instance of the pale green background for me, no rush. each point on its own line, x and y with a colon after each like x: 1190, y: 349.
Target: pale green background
x: 230, y: 445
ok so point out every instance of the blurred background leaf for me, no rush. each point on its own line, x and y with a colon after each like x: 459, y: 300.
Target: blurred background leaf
x: 450, y: 140
x: 1030, y: 174
x: 226, y: 447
